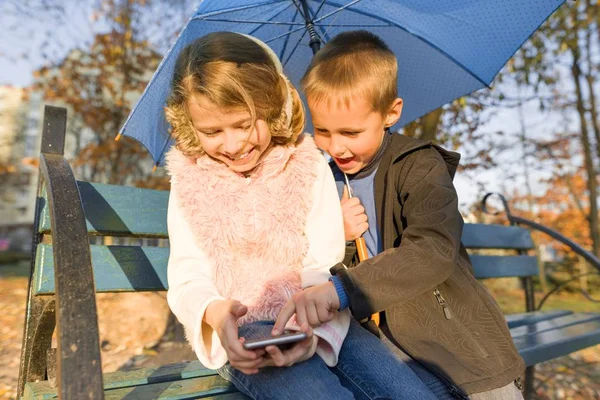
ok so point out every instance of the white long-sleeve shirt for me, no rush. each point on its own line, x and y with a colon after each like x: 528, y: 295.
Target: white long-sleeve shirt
x: 190, y: 272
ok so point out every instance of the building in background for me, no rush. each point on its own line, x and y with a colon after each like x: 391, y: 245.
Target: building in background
x: 20, y: 124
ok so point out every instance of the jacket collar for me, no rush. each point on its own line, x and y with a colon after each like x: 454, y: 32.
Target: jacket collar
x: 385, y: 180
x: 401, y: 146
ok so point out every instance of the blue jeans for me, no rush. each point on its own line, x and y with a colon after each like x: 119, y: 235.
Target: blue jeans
x: 366, y: 369
x: 433, y: 383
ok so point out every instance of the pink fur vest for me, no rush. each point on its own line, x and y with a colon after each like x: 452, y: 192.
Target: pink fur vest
x: 252, y: 228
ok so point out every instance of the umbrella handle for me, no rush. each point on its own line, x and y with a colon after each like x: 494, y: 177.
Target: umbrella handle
x: 361, y: 247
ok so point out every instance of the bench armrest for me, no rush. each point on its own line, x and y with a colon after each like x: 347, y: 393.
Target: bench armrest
x: 575, y: 247
x: 79, y: 370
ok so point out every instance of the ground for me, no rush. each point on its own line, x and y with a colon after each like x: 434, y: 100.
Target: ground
x: 132, y: 324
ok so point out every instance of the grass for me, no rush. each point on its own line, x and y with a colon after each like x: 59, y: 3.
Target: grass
x: 513, y: 300
x: 11, y: 270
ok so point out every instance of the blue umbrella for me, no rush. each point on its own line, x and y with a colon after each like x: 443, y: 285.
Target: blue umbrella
x: 445, y: 48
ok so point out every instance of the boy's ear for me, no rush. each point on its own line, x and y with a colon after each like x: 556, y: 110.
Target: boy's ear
x: 394, y: 113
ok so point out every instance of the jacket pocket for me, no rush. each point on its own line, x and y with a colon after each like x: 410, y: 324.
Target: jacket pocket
x: 458, y: 324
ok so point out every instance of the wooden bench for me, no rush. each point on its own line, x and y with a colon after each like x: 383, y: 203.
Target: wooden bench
x: 67, y: 272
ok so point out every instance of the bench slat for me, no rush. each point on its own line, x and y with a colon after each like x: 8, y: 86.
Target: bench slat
x: 193, y: 388
x: 554, y: 343
x: 555, y: 323
x: 119, y: 210
x: 164, y: 373
x: 516, y: 320
x: 504, y: 266
x: 140, y: 376
x: 488, y: 236
x: 116, y: 268
x: 144, y: 268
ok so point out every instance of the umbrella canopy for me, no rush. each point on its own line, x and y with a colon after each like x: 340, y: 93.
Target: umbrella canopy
x: 445, y: 48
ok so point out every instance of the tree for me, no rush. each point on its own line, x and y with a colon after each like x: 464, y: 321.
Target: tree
x: 561, y: 52
x: 100, y: 85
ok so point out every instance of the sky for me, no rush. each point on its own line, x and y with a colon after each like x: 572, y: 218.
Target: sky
x: 23, y: 37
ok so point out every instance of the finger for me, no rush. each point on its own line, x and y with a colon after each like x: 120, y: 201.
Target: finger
x: 301, y: 317
x: 362, y: 228
x: 361, y: 218
x: 312, y: 315
x: 238, y: 309
x: 267, y: 362
x: 284, y: 316
x: 345, y: 195
x: 350, y: 203
x: 258, y: 352
x: 325, y: 315
x: 235, y: 348
x: 247, y: 371
x: 357, y: 209
x: 276, y: 355
x: 297, y: 352
x: 245, y: 364
x: 306, y: 328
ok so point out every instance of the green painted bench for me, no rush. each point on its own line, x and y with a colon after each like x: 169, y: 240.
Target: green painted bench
x: 67, y: 272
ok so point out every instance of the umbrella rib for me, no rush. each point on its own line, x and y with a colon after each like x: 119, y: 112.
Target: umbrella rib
x: 162, y: 153
x: 286, y: 34
x: 276, y: 15
x: 299, y: 9
x: 229, y: 10
x: 342, y: 8
x: 247, y: 21
x: 319, y: 9
x: 357, y: 25
x: 287, y: 39
x: 295, y: 47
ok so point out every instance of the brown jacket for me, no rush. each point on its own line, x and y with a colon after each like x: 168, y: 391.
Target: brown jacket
x: 433, y: 307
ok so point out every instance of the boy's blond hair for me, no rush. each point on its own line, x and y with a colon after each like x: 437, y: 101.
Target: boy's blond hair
x: 235, y: 73
x: 352, y: 64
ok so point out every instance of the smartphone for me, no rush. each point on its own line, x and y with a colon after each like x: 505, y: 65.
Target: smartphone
x: 284, y: 339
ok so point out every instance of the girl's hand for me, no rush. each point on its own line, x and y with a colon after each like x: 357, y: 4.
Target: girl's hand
x: 355, y: 218
x: 222, y: 316
x: 301, y: 351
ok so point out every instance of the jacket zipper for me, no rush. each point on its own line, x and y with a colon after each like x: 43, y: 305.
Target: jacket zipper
x: 442, y: 302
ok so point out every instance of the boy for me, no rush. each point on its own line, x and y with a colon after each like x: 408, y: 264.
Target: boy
x: 419, y: 275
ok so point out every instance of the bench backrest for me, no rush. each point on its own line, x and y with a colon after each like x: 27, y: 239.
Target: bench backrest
x: 500, y: 237
x: 113, y: 210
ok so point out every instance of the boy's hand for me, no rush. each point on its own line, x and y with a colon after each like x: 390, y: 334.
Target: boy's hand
x: 301, y: 351
x: 355, y: 218
x: 222, y: 316
x: 313, y: 306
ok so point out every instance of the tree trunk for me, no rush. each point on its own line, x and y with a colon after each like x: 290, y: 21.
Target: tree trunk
x: 589, y: 162
x: 430, y: 124
x: 590, y: 80
x: 523, y: 140
x: 583, y: 270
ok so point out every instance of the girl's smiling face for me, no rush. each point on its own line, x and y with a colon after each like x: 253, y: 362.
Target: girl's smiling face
x: 229, y: 135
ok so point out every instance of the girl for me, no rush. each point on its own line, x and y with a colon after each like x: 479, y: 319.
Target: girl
x: 254, y: 218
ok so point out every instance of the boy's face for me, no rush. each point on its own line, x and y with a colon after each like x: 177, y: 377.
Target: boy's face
x: 351, y: 134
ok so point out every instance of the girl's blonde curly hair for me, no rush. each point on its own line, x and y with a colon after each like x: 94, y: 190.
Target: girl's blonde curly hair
x: 235, y: 73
